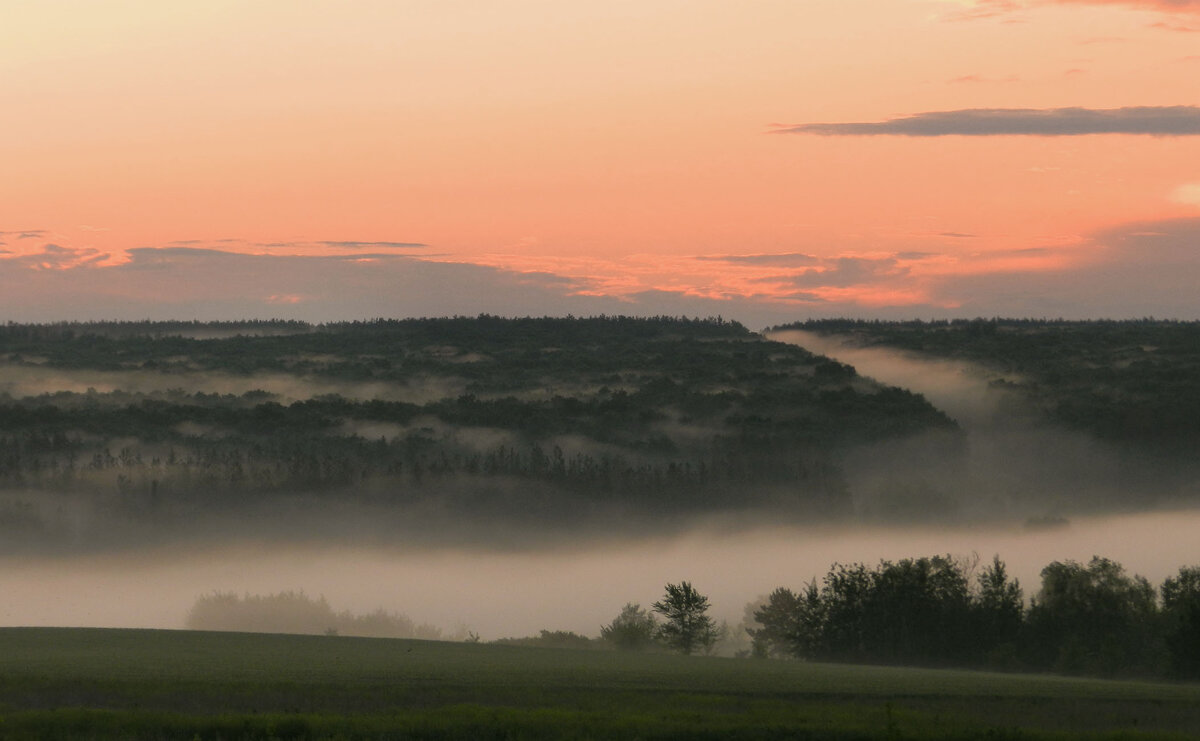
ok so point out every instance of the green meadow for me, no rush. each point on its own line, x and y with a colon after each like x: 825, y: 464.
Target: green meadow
x: 58, y: 683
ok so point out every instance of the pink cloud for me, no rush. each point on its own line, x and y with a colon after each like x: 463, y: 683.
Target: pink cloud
x: 39, y: 255
x: 1166, y: 6
x: 1174, y: 26
x: 964, y: 79
x: 1139, y: 269
x: 993, y: 8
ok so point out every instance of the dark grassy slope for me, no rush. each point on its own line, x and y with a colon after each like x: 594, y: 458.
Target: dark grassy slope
x: 528, y: 421
x: 75, y: 683
x: 1129, y: 382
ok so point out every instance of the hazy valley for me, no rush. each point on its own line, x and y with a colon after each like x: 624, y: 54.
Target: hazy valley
x: 435, y: 466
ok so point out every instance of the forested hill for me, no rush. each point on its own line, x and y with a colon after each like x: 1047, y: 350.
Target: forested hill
x: 1130, y: 382
x: 113, y: 429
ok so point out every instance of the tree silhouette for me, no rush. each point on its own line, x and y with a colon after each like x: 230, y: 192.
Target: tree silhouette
x: 1000, y: 612
x: 792, y: 624
x: 1181, y: 608
x: 687, y: 627
x: 633, y: 630
x: 1092, y: 619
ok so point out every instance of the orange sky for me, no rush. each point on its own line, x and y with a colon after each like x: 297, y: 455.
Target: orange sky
x: 597, y: 154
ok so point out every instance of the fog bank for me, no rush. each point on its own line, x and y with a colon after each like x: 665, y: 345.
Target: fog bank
x: 957, y: 388
x: 1011, y: 463
x: 518, y: 593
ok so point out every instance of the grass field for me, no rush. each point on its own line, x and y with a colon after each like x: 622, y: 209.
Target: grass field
x: 109, y: 684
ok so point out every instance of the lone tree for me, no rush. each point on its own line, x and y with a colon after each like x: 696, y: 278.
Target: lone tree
x: 633, y: 630
x: 687, y: 627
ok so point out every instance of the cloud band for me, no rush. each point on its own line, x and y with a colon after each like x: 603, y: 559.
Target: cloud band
x: 1145, y: 120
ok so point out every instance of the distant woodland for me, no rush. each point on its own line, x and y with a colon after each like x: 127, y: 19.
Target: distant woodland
x: 1132, y: 382
x: 489, y: 429
x: 112, y: 431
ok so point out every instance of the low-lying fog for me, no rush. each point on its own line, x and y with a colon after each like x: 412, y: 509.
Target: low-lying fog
x: 1016, y: 468
x: 1015, y: 462
x: 959, y: 389
x: 501, y: 594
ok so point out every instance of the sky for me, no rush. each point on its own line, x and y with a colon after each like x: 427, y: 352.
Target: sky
x: 767, y: 161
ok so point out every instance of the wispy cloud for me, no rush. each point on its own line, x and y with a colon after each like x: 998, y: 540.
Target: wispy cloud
x: 307, y: 246
x: 844, y: 272
x: 1146, y: 120
x: 984, y: 9
x: 866, y: 279
x: 1164, y: 6
x: 342, y: 245
x: 225, y: 240
x: 1175, y: 26
x: 25, y: 234
x: 979, y: 79
x: 55, y: 257
x: 373, y: 245
x: 993, y: 8
x: 792, y: 259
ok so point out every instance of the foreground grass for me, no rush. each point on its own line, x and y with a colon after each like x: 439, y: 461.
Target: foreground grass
x: 108, y: 684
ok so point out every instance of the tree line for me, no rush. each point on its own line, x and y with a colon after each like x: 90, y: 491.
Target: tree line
x: 939, y: 611
x: 1092, y: 619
